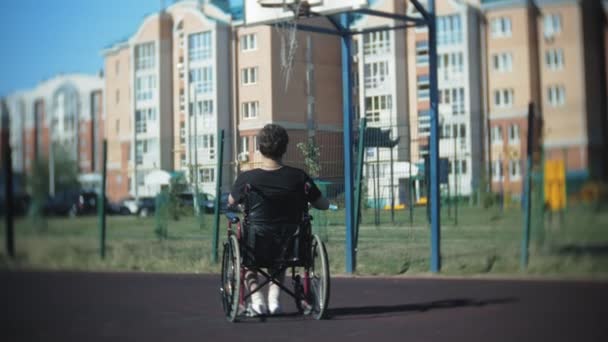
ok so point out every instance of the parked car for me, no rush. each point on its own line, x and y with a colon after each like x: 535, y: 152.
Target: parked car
x: 21, y: 203
x: 118, y: 208
x: 146, y: 206
x: 131, y: 204
x: 209, y: 204
x: 72, y: 203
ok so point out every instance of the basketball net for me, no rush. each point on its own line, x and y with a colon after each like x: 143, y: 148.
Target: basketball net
x: 287, y: 31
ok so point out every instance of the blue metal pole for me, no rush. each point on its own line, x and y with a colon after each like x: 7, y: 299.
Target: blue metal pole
x: 348, y: 142
x: 434, y: 144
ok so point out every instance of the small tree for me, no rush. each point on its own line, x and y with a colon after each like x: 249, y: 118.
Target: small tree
x: 311, y: 153
x: 66, y: 178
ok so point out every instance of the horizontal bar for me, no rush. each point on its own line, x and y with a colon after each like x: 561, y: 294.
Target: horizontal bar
x: 391, y: 16
x: 317, y: 29
x: 381, y: 28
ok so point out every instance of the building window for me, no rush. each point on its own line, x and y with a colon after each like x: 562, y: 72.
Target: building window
x: 141, y: 147
x: 207, y: 175
x: 503, y: 98
x: 203, y: 108
x: 202, y: 79
x: 375, y: 74
x: 142, y: 117
x: 453, y: 97
x: 245, y: 144
x: 514, y: 170
x: 463, y: 166
x: 502, y: 62
x: 552, y: 24
x: 496, y: 135
x: 117, y: 96
x: 422, y: 52
x: 145, y: 87
x: 250, y: 110
x: 208, y: 144
x: 249, y: 75
x: 450, y: 63
x: 513, y: 134
x: 116, y: 67
x: 423, y: 87
x: 256, y: 146
x: 496, y: 170
x: 144, y: 56
x: 117, y: 126
x: 375, y: 106
x: 182, y: 159
x: 182, y: 132
x: 463, y: 131
x: 556, y: 95
x: 249, y: 42
x: 376, y: 43
x: 500, y: 27
x: 182, y: 99
x: 424, y: 123
x: 554, y: 59
x: 449, y: 29
x: 199, y: 46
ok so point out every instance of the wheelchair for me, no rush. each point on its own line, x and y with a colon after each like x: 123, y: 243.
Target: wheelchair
x: 302, y: 255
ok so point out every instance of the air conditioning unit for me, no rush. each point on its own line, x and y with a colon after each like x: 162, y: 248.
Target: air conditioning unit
x: 243, y: 157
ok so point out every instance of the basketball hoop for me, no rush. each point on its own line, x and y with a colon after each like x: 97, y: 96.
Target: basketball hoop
x: 288, y: 30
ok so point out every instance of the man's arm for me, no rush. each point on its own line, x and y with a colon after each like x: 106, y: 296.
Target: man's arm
x: 231, y: 200
x: 321, y: 203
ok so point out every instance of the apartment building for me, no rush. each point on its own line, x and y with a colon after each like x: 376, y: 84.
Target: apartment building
x: 459, y: 83
x: 174, y: 77
x: 64, y: 115
x: 309, y: 105
x: 547, y: 52
x: 512, y: 82
x: 573, y: 86
x: 382, y: 99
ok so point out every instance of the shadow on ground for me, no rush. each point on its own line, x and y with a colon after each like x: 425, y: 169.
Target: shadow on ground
x: 578, y: 250
x: 416, y: 307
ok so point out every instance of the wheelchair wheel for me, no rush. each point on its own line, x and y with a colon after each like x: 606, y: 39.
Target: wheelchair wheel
x: 231, y: 278
x: 319, y: 278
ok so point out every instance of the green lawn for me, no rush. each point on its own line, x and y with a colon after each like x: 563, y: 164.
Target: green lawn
x: 485, y: 241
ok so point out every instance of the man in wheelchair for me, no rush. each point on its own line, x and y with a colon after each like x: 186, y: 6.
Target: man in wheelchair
x: 275, y: 197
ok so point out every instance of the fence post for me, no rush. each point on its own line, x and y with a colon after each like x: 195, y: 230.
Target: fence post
x: 101, y: 204
x: 218, y: 194
x: 8, y: 176
x: 358, y: 182
x: 525, y: 243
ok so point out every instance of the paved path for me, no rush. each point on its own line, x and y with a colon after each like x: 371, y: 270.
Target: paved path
x: 41, y: 306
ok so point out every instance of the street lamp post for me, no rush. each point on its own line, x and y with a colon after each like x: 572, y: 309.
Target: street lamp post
x: 194, y: 170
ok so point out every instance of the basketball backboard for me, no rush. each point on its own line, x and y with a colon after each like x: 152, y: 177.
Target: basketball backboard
x: 274, y: 11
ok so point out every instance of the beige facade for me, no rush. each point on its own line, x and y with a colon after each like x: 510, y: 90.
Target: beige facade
x: 118, y: 92
x: 304, y: 108
x: 459, y: 84
x: 177, y: 77
x: 572, y: 123
x: 512, y: 69
x: 553, y: 58
x: 64, y: 114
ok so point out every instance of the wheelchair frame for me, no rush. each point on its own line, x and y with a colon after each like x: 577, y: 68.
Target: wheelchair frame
x: 311, y: 289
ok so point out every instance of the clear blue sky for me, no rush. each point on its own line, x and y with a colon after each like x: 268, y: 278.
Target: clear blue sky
x: 41, y: 38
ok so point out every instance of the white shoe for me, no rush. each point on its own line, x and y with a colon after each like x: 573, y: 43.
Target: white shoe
x: 257, y: 306
x: 274, y: 308
x: 258, y: 309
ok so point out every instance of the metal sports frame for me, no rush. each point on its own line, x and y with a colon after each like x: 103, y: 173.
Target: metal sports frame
x: 342, y: 29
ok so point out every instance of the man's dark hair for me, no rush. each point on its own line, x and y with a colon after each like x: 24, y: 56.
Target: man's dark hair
x: 273, y: 140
